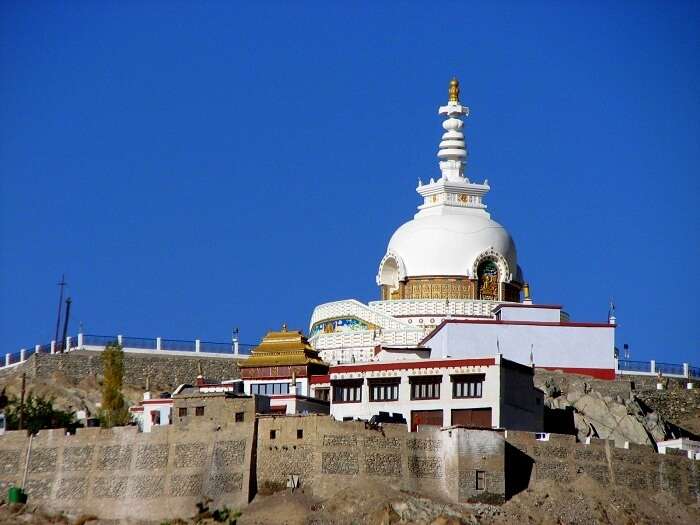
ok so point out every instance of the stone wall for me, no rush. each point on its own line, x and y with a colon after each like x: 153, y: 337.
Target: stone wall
x: 327, y: 456
x: 164, y: 371
x: 561, y: 459
x: 119, y: 473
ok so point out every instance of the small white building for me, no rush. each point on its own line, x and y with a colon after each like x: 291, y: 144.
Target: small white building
x: 487, y: 392
x: 152, y: 412
x: 528, y: 333
x: 687, y: 444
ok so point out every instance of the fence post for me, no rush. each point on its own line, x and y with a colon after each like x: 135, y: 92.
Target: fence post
x: 21, y: 355
x: 67, y: 348
x: 80, y: 340
x: 686, y: 370
x: 53, y: 347
x: 7, y: 359
x: 119, y: 339
x: 653, y: 366
x: 158, y: 343
x: 196, y: 345
x: 235, y: 347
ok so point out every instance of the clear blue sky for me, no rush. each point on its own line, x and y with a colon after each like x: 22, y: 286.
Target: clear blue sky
x: 195, y: 166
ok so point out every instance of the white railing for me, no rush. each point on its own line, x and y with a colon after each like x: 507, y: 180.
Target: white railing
x: 141, y: 345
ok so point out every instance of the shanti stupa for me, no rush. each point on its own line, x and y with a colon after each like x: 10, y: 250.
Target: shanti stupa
x: 450, y: 260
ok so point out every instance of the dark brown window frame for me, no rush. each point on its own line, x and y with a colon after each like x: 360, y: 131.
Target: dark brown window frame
x: 182, y: 411
x: 467, y: 379
x: 390, y: 386
x: 198, y: 411
x: 346, y: 384
x: 417, y: 381
x: 239, y: 417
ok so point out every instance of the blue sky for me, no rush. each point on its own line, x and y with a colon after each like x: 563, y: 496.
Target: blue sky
x: 195, y: 166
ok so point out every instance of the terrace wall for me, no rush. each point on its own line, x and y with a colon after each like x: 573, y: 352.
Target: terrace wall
x: 163, y: 370
x: 328, y: 456
x: 119, y: 473
x: 561, y: 459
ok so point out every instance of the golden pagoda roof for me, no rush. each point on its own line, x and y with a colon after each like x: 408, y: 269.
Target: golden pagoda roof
x: 284, y: 348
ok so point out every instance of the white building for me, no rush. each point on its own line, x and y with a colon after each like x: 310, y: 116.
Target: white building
x: 152, y: 412
x: 526, y: 333
x: 691, y: 446
x: 490, y: 392
x: 453, y: 262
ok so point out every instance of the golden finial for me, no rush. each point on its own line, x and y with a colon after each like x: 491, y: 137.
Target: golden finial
x: 454, y: 90
x: 526, y: 291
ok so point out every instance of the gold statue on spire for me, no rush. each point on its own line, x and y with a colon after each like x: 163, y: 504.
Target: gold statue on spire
x: 454, y: 90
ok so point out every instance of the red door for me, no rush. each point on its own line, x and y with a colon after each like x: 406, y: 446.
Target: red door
x: 425, y: 417
x: 472, y: 417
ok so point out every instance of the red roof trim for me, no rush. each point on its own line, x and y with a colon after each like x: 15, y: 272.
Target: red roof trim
x: 157, y: 401
x: 598, y: 373
x: 411, y: 365
x: 320, y: 379
x: 516, y: 323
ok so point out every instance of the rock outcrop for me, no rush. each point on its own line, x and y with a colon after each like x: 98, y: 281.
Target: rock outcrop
x: 602, y: 409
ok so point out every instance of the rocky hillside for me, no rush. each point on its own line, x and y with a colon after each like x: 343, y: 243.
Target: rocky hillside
x: 614, y: 410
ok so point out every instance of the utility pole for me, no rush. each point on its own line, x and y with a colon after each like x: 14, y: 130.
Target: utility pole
x: 21, y: 401
x: 65, y: 325
x: 62, y: 284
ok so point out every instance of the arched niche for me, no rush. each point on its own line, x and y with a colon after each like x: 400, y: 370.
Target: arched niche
x: 391, y: 272
x: 488, y: 280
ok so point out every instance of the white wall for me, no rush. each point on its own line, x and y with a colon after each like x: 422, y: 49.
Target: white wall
x: 529, y: 313
x: 552, y: 345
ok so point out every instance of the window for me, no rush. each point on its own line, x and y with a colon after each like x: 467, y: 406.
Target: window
x: 240, y: 417
x: 467, y: 386
x: 480, y: 480
x: 182, y: 412
x: 323, y: 394
x: 386, y: 389
x: 425, y: 387
x: 347, y: 391
x: 271, y: 389
x: 300, y: 433
x: 273, y: 434
x: 199, y: 411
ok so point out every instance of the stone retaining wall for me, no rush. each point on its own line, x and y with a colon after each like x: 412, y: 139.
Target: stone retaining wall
x: 163, y: 370
x: 119, y: 473
x: 327, y: 455
x: 561, y: 459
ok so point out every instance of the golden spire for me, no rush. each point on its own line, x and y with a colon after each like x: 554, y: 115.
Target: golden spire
x: 454, y: 90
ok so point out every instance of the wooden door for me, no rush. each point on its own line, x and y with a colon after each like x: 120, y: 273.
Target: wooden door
x: 472, y: 417
x: 425, y: 417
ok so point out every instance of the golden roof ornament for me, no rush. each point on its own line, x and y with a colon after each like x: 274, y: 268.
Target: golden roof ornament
x: 454, y: 90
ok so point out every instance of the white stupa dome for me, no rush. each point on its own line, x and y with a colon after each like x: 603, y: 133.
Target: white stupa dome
x: 452, y: 244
